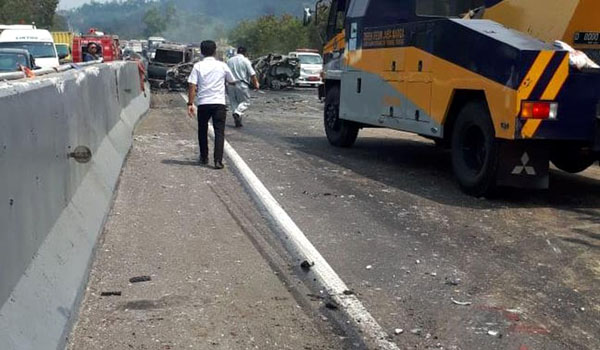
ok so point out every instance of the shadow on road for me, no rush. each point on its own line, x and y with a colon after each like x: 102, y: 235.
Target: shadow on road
x: 425, y: 170
x: 182, y: 162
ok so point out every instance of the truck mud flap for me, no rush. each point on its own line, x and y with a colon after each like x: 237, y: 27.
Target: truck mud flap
x: 524, y: 165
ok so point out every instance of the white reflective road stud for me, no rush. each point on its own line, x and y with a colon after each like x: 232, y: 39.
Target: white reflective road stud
x: 524, y: 168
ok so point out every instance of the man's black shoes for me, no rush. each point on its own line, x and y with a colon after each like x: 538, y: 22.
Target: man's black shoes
x: 238, y: 120
x: 219, y: 165
x: 204, y: 161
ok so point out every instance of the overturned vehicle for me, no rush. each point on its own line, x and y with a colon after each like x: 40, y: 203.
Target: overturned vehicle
x: 277, y: 71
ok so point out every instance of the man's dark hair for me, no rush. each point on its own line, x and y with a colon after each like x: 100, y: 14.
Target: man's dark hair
x: 92, y: 44
x: 242, y: 50
x: 208, y: 48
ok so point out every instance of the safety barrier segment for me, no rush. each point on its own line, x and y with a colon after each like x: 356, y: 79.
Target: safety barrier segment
x: 53, y: 208
x: 46, y: 71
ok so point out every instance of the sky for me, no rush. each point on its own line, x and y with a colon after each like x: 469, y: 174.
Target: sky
x: 69, y: 4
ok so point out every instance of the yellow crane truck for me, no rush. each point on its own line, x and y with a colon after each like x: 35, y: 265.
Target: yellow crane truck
x: 492, y: 86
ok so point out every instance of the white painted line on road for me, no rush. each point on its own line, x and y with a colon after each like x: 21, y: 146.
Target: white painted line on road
x: 297, y: 241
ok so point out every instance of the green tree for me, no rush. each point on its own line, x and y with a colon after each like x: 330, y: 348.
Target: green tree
x: 272, y: 34
x: 27, y: 11
x: 158, y: 19
x: 154, y: 21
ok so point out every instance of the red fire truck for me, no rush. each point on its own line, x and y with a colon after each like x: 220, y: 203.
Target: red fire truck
x: 109, y: 45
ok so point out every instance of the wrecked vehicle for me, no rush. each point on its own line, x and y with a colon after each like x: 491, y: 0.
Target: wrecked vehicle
x: 167, y: 56
x: 277, y: 71
x: 177, y: 77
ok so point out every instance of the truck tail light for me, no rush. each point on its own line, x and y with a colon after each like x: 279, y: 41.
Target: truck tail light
x: 539, y: 110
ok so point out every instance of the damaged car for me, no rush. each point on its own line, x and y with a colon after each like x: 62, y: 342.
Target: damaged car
x: 276, y: 71
x: 177, y: 77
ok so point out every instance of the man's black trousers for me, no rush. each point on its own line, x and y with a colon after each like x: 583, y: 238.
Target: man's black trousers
x: 218, y: 114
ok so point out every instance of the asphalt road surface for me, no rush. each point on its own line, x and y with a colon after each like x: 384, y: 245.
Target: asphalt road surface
x: 436, y: 268
x: 519, y: 272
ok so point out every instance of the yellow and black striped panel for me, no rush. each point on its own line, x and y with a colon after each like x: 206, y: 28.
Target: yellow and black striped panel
x: 543, y: 83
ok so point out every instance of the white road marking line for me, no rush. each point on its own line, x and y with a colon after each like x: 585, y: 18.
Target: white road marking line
x: 303, y: 248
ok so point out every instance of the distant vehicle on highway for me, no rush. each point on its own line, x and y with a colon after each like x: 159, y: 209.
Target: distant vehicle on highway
x: 64, y: 43
x: 64, y: 50
x: 38, y: 42
x: 11, y: 60
x: 311, y: 67
x: 168, y: 56
x: 155, y: 41
x: 136, y: 46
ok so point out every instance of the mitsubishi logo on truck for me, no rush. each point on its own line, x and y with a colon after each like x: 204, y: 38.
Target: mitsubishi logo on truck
x: 524, y: 168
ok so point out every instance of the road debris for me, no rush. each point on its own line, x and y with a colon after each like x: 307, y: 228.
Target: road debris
x: 398, y: 331
x: 461, y: 303
x: 416, y: 331
x: 315, y: 297
x: 140, y: 279
x: 369, y: 267
x: 331, y: 305
x: 452, y: 281
x: 493, y: 333
x: 305, y: 265
x: 111, y: 294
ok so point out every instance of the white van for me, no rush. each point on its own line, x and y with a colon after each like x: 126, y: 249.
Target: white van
x: 38, y: 42
x: 311, y: 67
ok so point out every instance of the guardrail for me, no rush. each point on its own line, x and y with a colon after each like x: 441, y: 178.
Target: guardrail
x: 46, y: 71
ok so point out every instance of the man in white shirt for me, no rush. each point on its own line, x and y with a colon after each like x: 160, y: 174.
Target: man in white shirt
x: 239, y: 94
x: 207, y: 91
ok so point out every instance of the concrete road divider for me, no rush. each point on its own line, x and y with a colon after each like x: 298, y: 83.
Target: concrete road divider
x: 52, y: 206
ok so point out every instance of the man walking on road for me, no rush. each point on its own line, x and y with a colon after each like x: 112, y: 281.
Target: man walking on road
x: 207, y: 91
x: 239, y: 94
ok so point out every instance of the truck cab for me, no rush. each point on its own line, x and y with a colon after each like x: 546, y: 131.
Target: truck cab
x: 506, y: 103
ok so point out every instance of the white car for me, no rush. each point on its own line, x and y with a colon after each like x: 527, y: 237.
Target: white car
x: 311, y: 67
x: 38, y: 42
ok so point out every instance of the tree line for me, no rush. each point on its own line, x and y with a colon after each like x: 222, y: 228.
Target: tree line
x: 279, y: 34
x: 177, y: 20
x: 42, y: 12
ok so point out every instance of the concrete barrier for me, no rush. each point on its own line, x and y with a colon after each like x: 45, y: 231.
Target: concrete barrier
x: 52, y: 208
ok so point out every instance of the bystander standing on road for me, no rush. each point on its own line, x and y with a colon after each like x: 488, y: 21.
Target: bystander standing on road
x: 207, y: 91
x: 239, y: 94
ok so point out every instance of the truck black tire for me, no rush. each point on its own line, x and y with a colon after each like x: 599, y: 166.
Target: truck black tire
x: 475, y: 150
x: 573, y: 160
x: 340, y: 133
